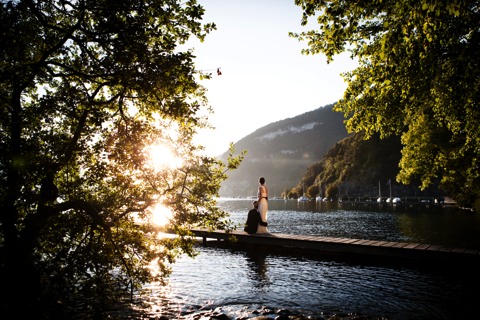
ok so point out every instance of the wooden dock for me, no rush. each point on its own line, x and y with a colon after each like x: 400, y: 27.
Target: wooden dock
x: 345, y: 246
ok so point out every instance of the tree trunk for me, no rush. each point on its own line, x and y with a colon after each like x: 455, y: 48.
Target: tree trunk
x: 21, y: 284
x: 20, y: 281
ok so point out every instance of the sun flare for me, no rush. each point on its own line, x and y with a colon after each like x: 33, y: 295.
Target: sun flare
x: 163, y: 157
x: 161, y: 215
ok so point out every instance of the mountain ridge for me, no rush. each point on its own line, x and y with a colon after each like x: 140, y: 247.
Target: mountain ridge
x: 283, y: 150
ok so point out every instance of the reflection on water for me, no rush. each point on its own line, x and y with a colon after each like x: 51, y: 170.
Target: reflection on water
x: 258, y: 268
x: 240, y: 281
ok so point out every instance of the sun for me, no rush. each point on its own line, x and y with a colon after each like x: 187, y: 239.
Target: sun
x: 163, y: 157
x: 161, y: 215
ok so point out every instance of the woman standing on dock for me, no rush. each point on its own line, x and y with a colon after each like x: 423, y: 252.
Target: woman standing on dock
x: 262, y: 196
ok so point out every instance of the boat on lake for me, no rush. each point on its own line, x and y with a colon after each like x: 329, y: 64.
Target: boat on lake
x: 303, y: 197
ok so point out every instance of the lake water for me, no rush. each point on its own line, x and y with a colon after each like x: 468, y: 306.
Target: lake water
x: 237, y: 283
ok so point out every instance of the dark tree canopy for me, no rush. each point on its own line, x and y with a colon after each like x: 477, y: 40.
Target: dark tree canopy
x: 418, y: 77
x: 86, y: 87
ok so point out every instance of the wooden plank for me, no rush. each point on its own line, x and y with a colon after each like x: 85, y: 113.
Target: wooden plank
x: 422, y: 246
x: 434, y: 247
x: 372, y: 243
x: 360, y: 242
x: 382, y: 243
x: 389, y: 244
x: 400, y: 245
x: 411, y: 245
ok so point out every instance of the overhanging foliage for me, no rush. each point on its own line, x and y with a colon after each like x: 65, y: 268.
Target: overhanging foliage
x: 86, y: 87
x: 418, y: 77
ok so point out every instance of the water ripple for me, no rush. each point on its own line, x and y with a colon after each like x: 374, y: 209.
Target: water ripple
x: 239, y: 282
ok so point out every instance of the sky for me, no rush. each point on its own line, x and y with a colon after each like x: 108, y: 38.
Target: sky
x: 265, y: 78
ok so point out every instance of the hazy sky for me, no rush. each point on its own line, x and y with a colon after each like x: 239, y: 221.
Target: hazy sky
x: 264, y: 77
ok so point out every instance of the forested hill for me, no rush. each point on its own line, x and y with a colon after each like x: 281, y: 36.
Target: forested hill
x: 355, y: 167
x: 282, y: 151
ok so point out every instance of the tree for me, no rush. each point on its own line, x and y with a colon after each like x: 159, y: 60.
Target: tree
x: 86, y: 88
x: 418, y: 77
